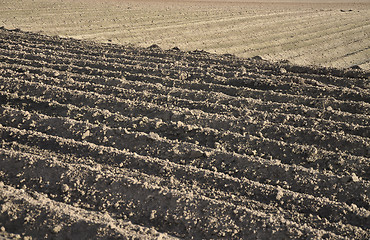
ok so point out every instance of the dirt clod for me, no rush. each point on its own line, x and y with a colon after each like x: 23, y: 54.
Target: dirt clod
x: 57, y: 229
x: 65, y: 188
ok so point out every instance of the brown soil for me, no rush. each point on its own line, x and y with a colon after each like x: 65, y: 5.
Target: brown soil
x: 330, y: 33
x: 117, y: 142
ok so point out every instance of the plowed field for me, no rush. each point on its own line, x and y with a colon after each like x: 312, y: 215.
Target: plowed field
x: 110, y: 141
x: 331, y: 33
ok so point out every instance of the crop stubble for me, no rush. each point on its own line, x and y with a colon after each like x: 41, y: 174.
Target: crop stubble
x: 332, y: 34
x: 102, y: 140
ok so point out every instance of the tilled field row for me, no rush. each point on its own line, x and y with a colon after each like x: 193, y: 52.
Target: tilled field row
x: 172, y: 149
x: 174, y: 130
x: 157, y: 61
x: 146, y: 95
x: 55, y: 214
x: 253, y: 139
x: 256, y: 109
x: 249, y: 140
x: 280, y: 89
x: 155, y: 56
x: 251, y: 197
x: 173, y: 89
x: 106, y: 143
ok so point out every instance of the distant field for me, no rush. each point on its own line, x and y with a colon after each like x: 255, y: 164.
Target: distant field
x: 330, y: 34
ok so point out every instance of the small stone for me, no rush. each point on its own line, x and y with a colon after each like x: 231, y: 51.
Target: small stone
x: 154, y: 136
x: 152, y: 231
x: 180, y: 124
x: 86, y: 134
x: 355, y: 178
x: 279, y: 194
x: 57, y: 229
x: 243, y: 70
x: 2, y: 229
x: 65, y: 188
x: 329, y: 108
x: 56, y: 74
x: 183, y: 76
x: 283, y: 70
x: 153, y: 214
x: 207, y: 154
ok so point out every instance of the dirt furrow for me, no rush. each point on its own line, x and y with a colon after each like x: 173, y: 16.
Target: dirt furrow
x: 163, y: 129
x: 292, y: 153
x: 322, y: 140
x: 252, y: 82
x: 318, y: 107
x: 61, y: 220
x: 281, y: 132
x: 326, y: 75
x: 353, y: 145
x: 90, y: 195
x: 178, y: 152
x: 119, y: 61
x: 182, y: 213
x: 251, y: 103
x: 295, y: 120
x: 257, y: 190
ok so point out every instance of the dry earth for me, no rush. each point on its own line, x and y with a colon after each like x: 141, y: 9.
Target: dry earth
x: 332, y: 34
x: 116, y: 142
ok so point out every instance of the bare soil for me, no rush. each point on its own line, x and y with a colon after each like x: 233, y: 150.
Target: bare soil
x: 120, y: 142
x: 330, y: 33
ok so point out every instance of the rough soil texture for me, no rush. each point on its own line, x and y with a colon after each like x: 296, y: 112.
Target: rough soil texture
x: 117, y: 142
x: 330, y: 33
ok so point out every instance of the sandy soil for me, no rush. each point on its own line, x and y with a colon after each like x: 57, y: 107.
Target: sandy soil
x: 119, y: 142
x: 332, y: 34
